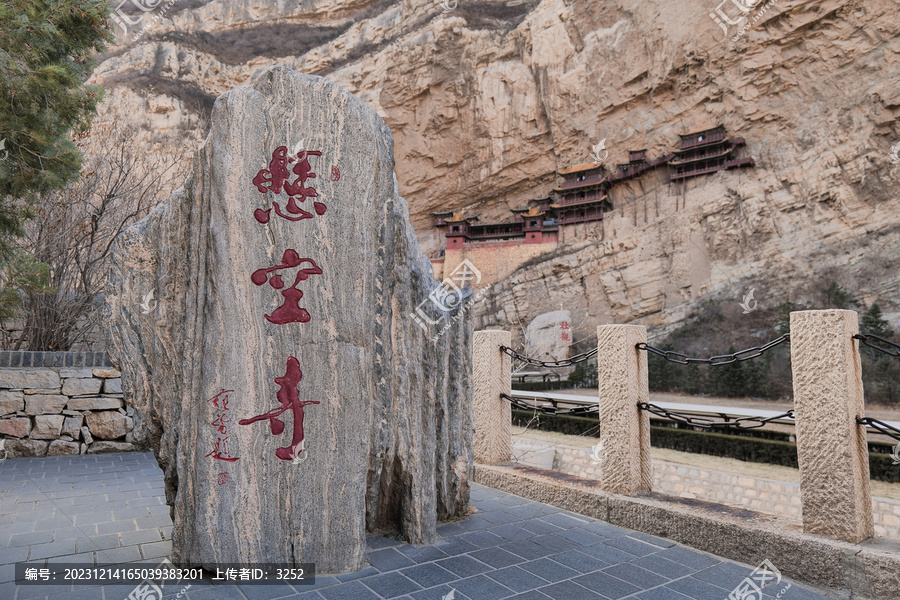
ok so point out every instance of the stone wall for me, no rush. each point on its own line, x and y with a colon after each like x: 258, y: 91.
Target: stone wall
x: 763, y: 495
x: 75, y: 406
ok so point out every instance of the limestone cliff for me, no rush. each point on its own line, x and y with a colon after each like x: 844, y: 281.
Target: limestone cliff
x: 487, y: 99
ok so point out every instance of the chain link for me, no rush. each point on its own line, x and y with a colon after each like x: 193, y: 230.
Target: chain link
x: 891, y: 350
x: 528, y: 404
x: 880, y: 426
x: 707, y: 423
x: 725, y: 359
x: 549, y: 364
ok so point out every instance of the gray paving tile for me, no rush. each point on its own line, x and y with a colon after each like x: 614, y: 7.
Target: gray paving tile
x: 528, y: 549
x: 555, y: 542
x: 454, y: 546
x: 549, y: 570
x: 688, y: 557
x: 565, y: 521
x: 357, y: 575
x: 511, y: 532
x: 662, y: 566
x: 353, y: 590
x: 421, y: 554
x: 29, y: 539
x: 377, y: 542
x: 581, y: 537
x: 482, y: 588
x: 661, y: 593
x: 568, y: 590
x: 532, y: 595
x: 501, y: 517
x: 267, y: 592
x: 439, y: 593
x: 636, y: 576
x: 607, y: 585
x: 652, y: 539
x: 450, y: 529
x: 217, y: 592
x: 61, y: 548
x: 482, y: 539
x: 539, y: 527
x: 389, y: 559
x: 497, y: 557
x: 632, y: 546
x: 579, y: 561
x: 116, y: 527
x: 463, y: 566
x: 391, y: 585
x: 429, y: 575
x: 696, y: 589
x: 517, y: 579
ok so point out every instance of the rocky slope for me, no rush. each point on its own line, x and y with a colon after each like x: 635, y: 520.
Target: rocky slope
x: 486, y: 100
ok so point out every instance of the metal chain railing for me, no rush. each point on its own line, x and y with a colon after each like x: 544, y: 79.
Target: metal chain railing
x: 707, y: 423
x: 880, y: 426
x: 889, y: 348
x: 549, y: 364
x: 527, y: 404
x: 725, y: 359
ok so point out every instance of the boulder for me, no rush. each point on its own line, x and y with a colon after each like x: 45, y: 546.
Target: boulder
x: 107, y: 373
x: 549, y: 336
x: 11, y: 402
x: 25, y: 448
x: 112, y: 386
x: 21, y: 379
x: 76, y: 373
x: 60, y: 447
x: 47, y: 427
x: 19, y: 427
x: 94, y: 403
x: 41, y: 404
x: 107, y: 425
x: 101, y: 447
x: 81, y: 387
x: 296, y: 345
x: 72, y: 427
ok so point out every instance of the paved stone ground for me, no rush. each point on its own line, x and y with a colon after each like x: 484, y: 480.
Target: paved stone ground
x: 109, y: 508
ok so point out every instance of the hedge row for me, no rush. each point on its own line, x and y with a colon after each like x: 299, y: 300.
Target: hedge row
x: 742, y: 447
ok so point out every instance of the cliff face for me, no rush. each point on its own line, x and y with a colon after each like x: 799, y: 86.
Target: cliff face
x: 485, y: 101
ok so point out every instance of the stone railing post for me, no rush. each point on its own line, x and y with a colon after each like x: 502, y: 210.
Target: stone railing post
x: 831, y: 446
x: 491, y: 369
x: 624, y: 428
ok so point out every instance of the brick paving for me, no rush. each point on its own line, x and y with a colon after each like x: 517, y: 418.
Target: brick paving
x: 110, y: 508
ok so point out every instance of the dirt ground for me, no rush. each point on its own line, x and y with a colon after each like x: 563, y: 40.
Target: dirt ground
x: 717, y: 463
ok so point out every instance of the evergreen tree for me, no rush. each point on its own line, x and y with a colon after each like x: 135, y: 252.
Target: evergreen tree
x: 837, y: 297
x: 45, y: 57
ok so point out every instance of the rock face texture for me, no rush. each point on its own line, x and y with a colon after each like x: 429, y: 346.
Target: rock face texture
x: 291, y: 398
x: 548, y: 336
x: 487, y: 100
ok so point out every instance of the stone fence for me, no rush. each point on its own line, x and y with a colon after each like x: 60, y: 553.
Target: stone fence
x: 832, y: 452
x: 55, y: 403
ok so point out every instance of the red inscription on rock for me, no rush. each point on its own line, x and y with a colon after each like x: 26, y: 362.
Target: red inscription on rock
x: 289, y: 396
x: 290, y: 311
x: 275, y: 179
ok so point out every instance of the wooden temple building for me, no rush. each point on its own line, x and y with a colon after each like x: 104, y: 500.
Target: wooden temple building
x: 583, y: 194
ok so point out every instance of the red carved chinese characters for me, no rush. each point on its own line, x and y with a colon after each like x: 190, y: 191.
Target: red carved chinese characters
x: 289, y: 396
x: 335, y: 173
x: 290, y: 311
x: 276, y: 178
x: 564, y: 326
x: 220, y: 449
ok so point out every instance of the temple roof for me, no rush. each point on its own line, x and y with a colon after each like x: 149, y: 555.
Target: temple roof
x: 582, y: 167
x: 699, y: 131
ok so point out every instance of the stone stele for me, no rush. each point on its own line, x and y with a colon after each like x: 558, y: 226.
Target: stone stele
x: 549, y: 336
x: 206, y: 315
